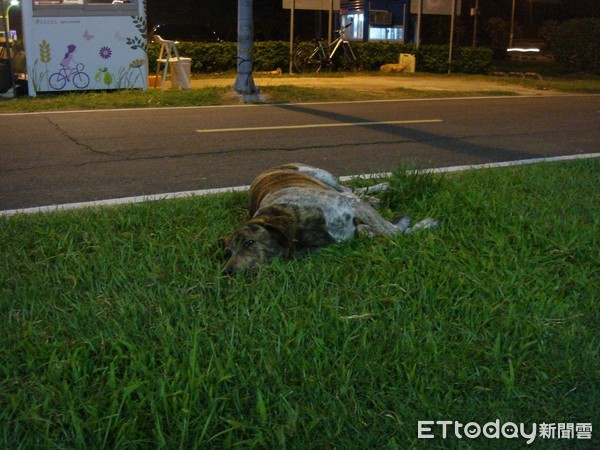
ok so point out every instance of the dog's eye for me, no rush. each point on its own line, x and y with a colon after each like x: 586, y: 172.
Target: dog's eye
x: 248, y: 243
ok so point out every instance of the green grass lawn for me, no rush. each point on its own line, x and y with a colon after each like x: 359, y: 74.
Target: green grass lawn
x: 118, y: 328
x: 152, y: 98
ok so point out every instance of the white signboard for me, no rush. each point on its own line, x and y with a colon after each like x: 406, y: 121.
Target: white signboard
x: 441, y: 7
x: 316, y: 5
x: 84, y: 52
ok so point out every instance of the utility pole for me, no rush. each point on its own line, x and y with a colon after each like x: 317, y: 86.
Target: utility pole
x: 512, y: 25
x: 451, y: 36
x: 292, y: 18
x: 244, y: 83
x: 419, y: 14
x: 475, y: 15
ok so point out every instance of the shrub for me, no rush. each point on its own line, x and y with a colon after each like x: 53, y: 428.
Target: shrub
x: 210, y: 57
x: 221, y: 57
x: 271, y: 55
x: 375, y: 54
x: 576, y: 45
x: 432, y: 58
x: 472, y: 60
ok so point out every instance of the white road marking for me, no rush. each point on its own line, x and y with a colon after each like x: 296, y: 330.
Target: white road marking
x: 496, y: 165
x: 318, y: 125
x: 202, y: 192
x: 267, y: 105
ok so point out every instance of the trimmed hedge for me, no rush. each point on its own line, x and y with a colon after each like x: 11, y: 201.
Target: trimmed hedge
x: 206, y: 57
x: 430, y: 58
x: 221, y: 57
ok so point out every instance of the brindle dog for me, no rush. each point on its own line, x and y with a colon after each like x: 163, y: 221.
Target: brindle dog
x: 295, y: 208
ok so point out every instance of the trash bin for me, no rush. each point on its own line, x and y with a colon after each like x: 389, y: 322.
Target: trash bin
x: 179, y: 69
x: 408, y: 62
x: 5, y: 81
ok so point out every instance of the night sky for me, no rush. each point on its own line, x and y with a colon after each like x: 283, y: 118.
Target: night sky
x: 271, y: 22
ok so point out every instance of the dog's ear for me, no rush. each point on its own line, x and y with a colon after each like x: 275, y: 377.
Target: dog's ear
x: 282, y: 221
x: 284, y: 225
x: 286, y: 229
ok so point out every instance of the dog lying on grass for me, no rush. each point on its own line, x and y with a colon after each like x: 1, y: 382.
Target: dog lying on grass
x: 295, y: 208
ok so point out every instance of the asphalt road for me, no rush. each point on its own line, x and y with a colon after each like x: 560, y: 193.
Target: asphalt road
x: 57, y: 158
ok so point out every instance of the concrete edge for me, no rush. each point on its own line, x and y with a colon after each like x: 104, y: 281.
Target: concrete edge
x: 203, y: 192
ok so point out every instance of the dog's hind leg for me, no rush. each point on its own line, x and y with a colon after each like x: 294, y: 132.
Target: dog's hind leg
x: 368, y: 221
x: 366, y: 193
x: 376, y: 189
x: 375, y: 225
x: 323, y: 176
x: 402, y: 224
x: 327, y: 178
x: 423, y: 225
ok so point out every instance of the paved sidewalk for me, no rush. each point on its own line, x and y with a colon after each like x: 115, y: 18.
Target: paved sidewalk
x: 383, y: 83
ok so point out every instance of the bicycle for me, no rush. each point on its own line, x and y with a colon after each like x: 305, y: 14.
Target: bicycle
x: 59, y: 79
x: 312, y: 59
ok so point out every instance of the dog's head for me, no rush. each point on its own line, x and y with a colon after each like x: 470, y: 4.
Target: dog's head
x: 258, y: 241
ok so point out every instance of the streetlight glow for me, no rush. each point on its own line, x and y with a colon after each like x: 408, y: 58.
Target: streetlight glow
x: 10, y: 5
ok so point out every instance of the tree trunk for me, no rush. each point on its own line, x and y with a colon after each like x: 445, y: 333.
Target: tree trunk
x: 244, y: 83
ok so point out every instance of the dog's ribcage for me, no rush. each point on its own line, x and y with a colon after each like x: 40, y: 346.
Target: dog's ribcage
x: 340, y: 209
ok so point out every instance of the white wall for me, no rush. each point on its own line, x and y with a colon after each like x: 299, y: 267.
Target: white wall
x: 73, y: 48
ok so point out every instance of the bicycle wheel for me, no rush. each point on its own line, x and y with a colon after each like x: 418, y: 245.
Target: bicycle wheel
x: 351, y: 62
x: 355, y: 64
x: 307, y: 59
x: 81, y: 80
x: 57, y: 81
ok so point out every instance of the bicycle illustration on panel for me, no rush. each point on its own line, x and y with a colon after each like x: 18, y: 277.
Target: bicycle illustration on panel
x: 76, y: 75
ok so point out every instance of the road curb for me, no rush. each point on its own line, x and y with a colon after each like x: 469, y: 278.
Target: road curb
x: 204, y: 192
